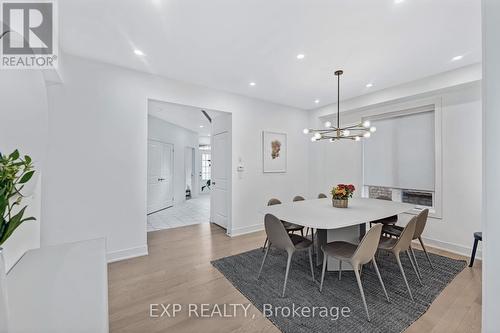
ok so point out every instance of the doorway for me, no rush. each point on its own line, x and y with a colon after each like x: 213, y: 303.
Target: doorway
x: 201, y: 154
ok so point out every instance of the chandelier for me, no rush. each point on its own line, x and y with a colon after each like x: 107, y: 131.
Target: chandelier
x: 333, y: 133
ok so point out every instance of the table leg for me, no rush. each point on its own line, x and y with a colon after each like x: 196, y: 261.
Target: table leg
x: 320, y: 241
x: 362, y: 230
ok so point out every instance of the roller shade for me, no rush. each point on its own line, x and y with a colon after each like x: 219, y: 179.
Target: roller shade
x: 401, y: 153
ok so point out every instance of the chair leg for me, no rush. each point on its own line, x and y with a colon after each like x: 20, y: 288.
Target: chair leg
x: 311, y: 262
x: 473, y: 255
x: 302, y: 232
x: 325, y: 260
x: 380, y: 278
x: 289, y: 260
x: 307, y: 231
x: 340, y: 269
x: 412, y: 252
x: 312, y: 240
x: 413, y: 265
x: 265, y: 243
x: 356, y: 272
x: 425, y: 251
x: 403, y: 273
x: 263, y: 260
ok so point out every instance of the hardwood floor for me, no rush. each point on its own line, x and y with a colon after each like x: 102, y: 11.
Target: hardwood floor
x: 178, y: 271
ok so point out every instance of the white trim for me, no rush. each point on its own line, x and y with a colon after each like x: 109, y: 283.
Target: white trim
x: 453, y: 247
x: 127, y: 253
x: 246, y: 230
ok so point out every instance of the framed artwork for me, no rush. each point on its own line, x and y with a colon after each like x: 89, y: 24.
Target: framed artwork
x: 274, y: 151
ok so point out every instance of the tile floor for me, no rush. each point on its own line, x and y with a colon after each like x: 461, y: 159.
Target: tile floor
x: 193, y: 211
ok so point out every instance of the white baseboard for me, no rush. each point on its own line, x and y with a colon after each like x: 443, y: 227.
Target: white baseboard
x: 127, y: 253
x: 246, y: 230
x: 452, y: 247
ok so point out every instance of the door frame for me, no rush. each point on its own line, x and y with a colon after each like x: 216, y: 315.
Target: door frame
x: 193, y: 170
x: 172, y: 174
x: 230, y: 152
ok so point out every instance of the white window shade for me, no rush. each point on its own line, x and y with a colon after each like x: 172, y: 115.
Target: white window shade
x: 401, y: 153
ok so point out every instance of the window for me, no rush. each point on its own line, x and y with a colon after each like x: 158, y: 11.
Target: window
x: 205, y: 166
x: 400, y: 161
x: 421, y: 199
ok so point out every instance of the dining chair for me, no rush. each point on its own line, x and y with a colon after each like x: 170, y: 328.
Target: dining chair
x: 322, y: 196
x: 280, y: 239
x: 356, y: 256
x: 395, y: 230
x: 298, y: 198
x: 301, y: 198
x: 401, y: 244
x: 386, y: 220
x: 290, y: 227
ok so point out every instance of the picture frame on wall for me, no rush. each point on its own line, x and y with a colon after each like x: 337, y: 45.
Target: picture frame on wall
x: 274, y: 152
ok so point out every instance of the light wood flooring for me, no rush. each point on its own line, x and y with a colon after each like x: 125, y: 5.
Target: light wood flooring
x: 178, y: 270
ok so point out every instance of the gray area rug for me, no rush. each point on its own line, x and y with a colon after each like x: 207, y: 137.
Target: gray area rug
x: 265, y: 293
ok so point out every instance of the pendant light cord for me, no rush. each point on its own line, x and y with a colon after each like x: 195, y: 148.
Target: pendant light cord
x: 338, y: 101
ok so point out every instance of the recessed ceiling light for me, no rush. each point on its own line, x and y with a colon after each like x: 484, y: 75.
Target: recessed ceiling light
x: 458, y: 57
x: 138, y: 52
x: 300, y: 56
x: 369, y: 85
x: 316, y: 101
x: 398, y: 1
x: 201, y: 126
x: 252, y: 84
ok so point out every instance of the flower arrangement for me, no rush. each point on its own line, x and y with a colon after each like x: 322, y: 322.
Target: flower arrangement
x: 343, y: 191
x: 15, y: 172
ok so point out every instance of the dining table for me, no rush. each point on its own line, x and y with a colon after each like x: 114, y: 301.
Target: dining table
x: 336, y: 224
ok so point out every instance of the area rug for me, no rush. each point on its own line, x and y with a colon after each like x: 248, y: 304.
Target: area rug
x: 338, y: 308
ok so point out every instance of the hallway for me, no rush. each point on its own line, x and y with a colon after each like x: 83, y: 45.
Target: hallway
x: 193, y: 211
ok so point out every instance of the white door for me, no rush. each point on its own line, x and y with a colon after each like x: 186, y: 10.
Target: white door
x: 220, y: 179
x: 189, y: 170
x: 160, y: 175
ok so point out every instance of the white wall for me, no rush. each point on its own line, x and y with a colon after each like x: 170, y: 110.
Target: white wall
x: 333, y: 163
x: 95, y: 183
x: 491, y: 180
x: 181, y: 138
x: 23, y: 126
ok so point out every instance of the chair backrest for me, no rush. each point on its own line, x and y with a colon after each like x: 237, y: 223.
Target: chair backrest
x: 322, y: 196
x: 299, y: 198
x: 368, y: 245
x: 406, y: 237
x: 277, y: 234
x: 421, y: 221
x: 273, y: 201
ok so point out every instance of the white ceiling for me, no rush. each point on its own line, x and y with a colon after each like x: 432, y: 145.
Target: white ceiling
x: 188, y: 117
x: 226, y: 44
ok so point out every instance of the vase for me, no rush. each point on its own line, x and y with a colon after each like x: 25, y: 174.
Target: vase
x: 340, y: 203
x: 3, y: 295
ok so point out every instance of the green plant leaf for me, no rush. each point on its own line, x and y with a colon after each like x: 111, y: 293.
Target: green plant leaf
x: 27, y: 159
x: 14, y: 155
x: 26, y: 177
x: 14, y: 222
